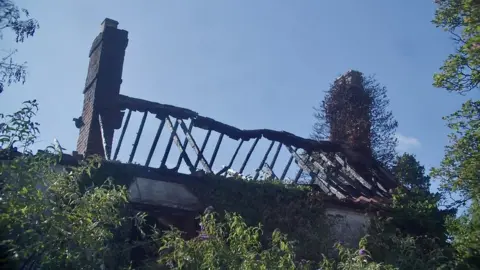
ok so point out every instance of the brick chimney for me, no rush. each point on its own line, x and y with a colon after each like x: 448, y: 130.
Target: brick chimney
x: 100, y: 115
x: 349, y: 113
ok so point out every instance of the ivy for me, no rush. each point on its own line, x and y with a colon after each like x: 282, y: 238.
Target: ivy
x: 297, y: 211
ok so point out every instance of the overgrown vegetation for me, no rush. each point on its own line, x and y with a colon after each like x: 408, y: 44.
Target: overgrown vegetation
x: 366, y: 111
x: 46, y: 220
x: 232, y: 244
x: 297, y: 211
x: 78, y: 217
x: 227, y: 245
x: 460, y: 71
x: 459, y: 172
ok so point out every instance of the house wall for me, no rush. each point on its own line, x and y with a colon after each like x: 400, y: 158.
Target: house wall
x: 348, y: 225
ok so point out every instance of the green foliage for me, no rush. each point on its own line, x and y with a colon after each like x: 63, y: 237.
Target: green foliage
x: 19, y: 128
x: 461, y: 18
x: 392, y: 242
x: 406, y: 252
x: 46, y: 220
x: 412, y: 233
x: 351, y: 259
x: 459, y: 174
x: 459, y: 171
x: 17, y: 20
x: 465, y: 231
x: 227, y: 245
x: 416, y: 213
x: 410, y: 173
x: 232, y: 244
x: 414, y: 208
x: 297, y: 211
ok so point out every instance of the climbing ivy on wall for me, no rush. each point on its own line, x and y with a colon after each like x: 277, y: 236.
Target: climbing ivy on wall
x: 297, y: 211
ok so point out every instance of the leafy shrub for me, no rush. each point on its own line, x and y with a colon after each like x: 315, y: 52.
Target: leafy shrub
x: 297, y: 211
x: 226, y: 245
x: 46, y: 220
x: 232, y: 244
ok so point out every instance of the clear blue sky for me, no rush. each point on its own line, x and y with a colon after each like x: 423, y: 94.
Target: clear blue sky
x: 251, y: 64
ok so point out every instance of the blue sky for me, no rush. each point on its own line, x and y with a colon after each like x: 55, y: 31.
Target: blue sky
x: 251, y: 64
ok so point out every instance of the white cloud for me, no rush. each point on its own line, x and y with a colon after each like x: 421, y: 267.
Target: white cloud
x: 406, y: 143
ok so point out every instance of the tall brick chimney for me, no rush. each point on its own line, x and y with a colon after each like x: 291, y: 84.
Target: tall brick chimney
x: 348, y: 112
x: 100, y: 115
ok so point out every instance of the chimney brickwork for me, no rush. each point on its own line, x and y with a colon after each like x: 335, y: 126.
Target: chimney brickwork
x: 349, y: 113
x: 102, y: 88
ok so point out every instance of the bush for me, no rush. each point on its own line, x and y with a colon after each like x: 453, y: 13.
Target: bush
x: 226, y: 245
x: 231, y: 244
x: 47, y: 220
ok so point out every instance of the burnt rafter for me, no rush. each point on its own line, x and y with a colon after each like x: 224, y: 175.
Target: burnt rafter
x: 318, y: 176
x: 176, y: 140
x: 234, y: 133
x: 334, y: 168
x: 193, y: 144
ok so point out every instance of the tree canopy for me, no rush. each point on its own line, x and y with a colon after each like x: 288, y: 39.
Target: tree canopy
x: 461, y: 18
x: 459, y: 175
x: 459, y: 171
x: 18, y: 21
